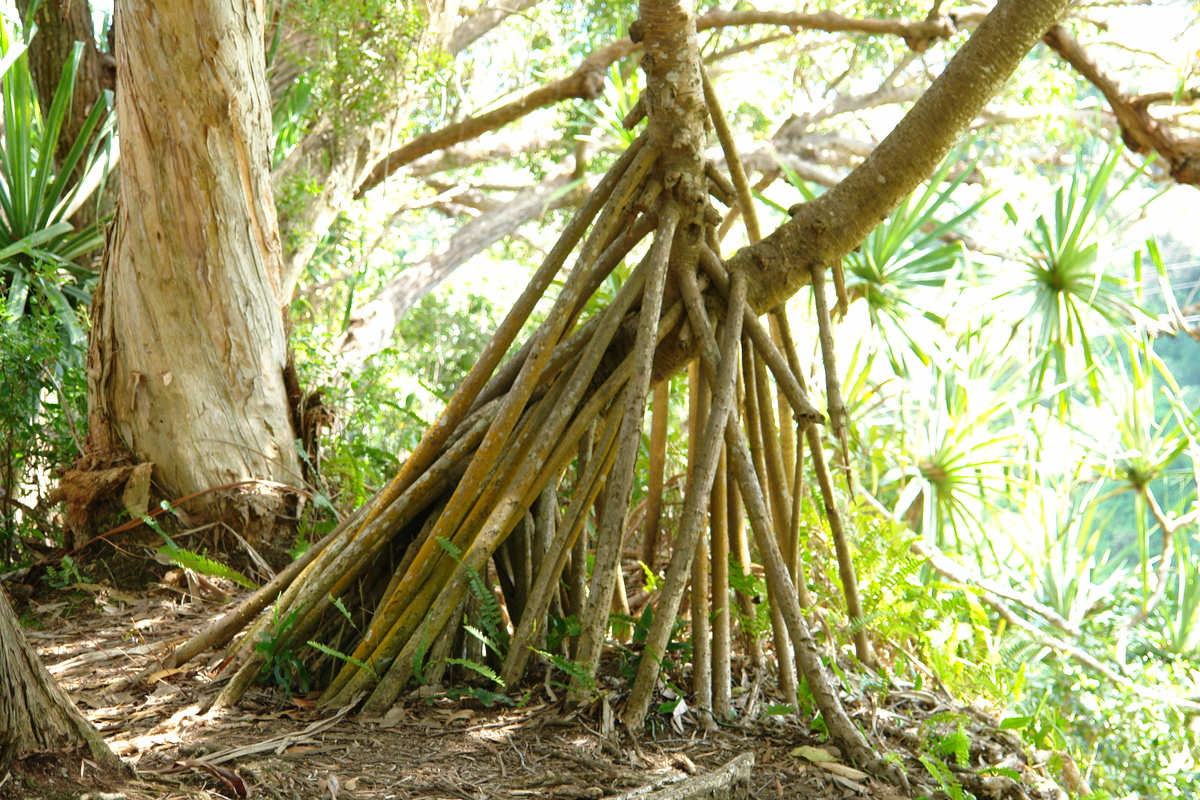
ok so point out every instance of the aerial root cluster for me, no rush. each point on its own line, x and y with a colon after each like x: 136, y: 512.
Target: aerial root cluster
x: 564, y: 417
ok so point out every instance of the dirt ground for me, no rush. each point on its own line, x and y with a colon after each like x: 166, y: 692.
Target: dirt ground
x: 432, y: 747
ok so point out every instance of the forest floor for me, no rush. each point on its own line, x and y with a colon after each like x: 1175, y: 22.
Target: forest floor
x: 430, y: 746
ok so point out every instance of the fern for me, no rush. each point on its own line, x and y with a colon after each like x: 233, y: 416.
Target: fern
x: 204, y: 565
x: 495, y: 634
x: 279, y: 660
x: 957, y: 744
x: 329, y: 651
x: 186, y: 559
x: 573, y: 669
x: 476, y: 667
x: 340, y: 606
x: 418, y: 662
x: 945, y: 778
x: 488, y: 641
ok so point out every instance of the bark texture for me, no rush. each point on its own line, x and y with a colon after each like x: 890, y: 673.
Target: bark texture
x: 188, y: 348
x: 35, y: 712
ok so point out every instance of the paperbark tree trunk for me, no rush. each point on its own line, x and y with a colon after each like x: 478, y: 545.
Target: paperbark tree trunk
x: 188, y: 347
x: 35, y: 712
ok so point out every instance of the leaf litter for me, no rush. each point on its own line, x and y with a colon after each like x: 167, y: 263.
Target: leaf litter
x: 430, y: 746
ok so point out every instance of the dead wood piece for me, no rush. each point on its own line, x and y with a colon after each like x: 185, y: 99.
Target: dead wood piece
x: 279, y: 743
x: 725, y: 783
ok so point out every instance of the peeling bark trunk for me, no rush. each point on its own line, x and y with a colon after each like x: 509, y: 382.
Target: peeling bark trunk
x: 186, y: 360
x: 35, y: 712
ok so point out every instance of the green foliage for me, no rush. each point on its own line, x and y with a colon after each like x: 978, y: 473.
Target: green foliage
x: 360, y: 55
x: 1071, y: 576
x: 621, y: 94
x: 41, y: 399
x: 945, y: 778
x: 956, y: 743
x: 560, y: 628
x: 494, y: 633
x: 196, y: 562
x: 758, y: 625
x: 573, y: 669
x: 329, y: 651
x: 38, y: 246
x: 441, y: 338
x: 1136, y: 746
x: 66, y: 573
x: 1176, y: 630
x: 281, y: 661
x: 383, y: 410
x: 909, y: 252
x: 1065, y: 279
x: 42, y: 287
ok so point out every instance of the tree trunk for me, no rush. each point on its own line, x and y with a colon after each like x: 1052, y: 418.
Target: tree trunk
x: 35, y: 712
x: 188, y: 347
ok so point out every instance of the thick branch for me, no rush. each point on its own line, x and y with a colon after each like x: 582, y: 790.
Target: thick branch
x: 911, y: 31
x: 1143, y: 133
x: 823, y: 231
x: 587, y: 81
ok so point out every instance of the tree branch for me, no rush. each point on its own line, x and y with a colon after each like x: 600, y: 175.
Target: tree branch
x: 916, y: 33
x: 823, y: 231
x: 1143, y: 133
x: 483, y: 21
x: 587, y: 81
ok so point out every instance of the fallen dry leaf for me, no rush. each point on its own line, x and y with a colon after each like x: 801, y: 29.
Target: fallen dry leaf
x: 814, y: 754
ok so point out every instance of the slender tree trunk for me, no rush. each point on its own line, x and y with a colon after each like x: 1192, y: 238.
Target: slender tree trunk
x: 188, y: 349
x: 35, y: 712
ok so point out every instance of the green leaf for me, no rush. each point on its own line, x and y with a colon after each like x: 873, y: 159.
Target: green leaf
x: 329, y: 651
x: 1014, y: 723
x: 475, y: 666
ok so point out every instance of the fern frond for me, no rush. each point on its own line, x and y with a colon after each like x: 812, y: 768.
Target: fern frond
x: 186, y: 559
